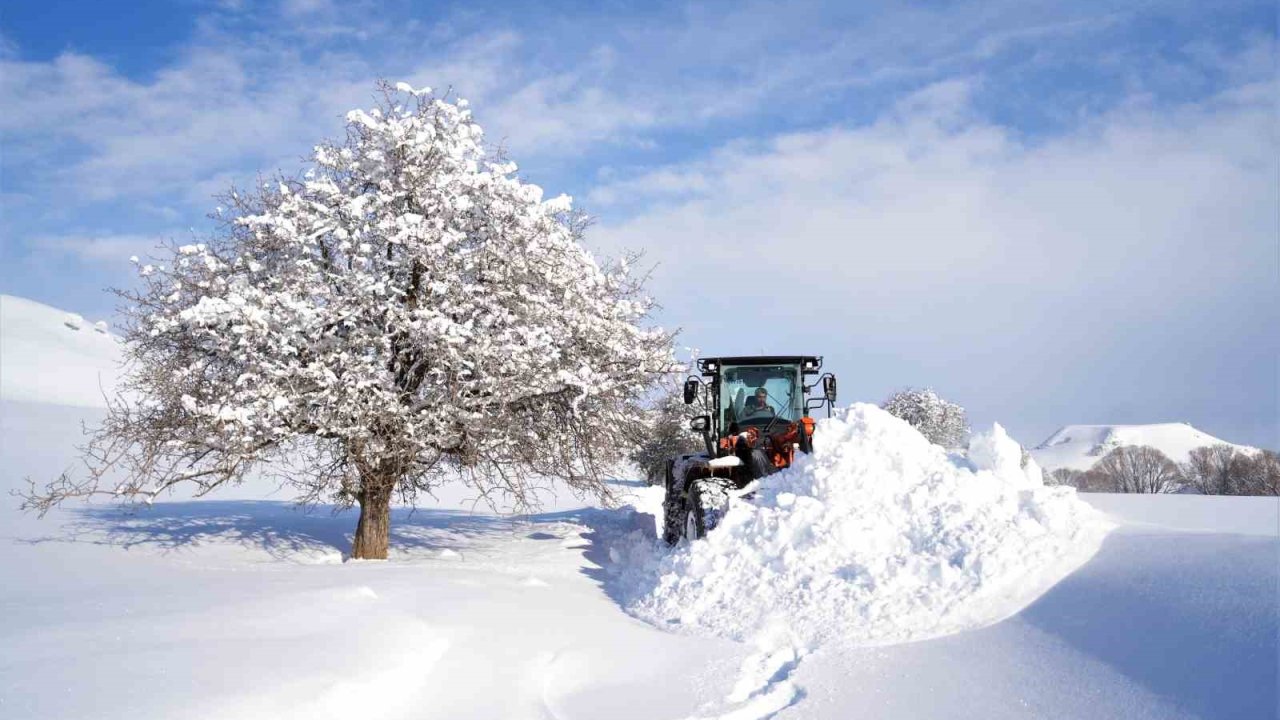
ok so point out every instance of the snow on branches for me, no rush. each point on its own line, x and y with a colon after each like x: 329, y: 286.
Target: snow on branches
x: 407, y: 310
x: 942, y: 422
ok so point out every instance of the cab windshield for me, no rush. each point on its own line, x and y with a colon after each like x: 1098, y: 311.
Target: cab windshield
x: 759, y: 395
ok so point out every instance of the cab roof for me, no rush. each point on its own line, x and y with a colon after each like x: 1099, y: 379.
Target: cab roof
x: 809, y: 364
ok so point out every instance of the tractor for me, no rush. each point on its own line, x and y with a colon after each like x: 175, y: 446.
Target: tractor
x: 755, y: 419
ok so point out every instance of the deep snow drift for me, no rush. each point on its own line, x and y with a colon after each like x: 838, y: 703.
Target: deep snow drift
x: 877, y: 537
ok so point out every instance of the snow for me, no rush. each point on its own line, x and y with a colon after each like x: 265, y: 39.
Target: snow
x: 240, y: 605
x: 879, y: 536
x: 1080, y: 446
x: 1002, y: 455
x: 242, y: 608
x: 45, y: 357
x: 1192, y: 513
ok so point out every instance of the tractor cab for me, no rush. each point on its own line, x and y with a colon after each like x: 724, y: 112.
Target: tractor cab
x: 767, y: 393
x: 755, y: 419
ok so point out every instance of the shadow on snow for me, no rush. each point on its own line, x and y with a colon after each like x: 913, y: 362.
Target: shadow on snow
x: 1192, y: 617
x: 285, y: 530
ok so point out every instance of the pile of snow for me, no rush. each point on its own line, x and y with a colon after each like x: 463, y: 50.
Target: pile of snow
x: 1080, y: 446
x: 50, y: 356
x: 878, y: 537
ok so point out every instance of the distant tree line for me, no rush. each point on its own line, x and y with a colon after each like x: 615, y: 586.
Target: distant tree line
x: 1210, y: 470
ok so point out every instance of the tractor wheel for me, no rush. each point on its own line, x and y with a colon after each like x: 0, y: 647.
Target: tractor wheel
x: 673, y: 513
x: 708, y: 501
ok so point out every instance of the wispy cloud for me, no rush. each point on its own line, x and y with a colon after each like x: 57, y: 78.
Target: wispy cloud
x: 8, y: 47
x: 929, y: 192
x: 252, y: 89
x: 300, y: 8
x: 933, y: 246
x: 106, y: 248
x: 227, y: 106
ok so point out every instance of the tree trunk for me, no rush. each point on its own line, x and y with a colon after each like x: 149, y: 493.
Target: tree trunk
x: 373, y: 531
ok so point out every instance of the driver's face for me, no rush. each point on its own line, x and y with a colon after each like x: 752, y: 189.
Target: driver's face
x: 760, y: 397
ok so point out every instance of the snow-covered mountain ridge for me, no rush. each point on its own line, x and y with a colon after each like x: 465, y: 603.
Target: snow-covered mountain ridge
x: 1078, y: 447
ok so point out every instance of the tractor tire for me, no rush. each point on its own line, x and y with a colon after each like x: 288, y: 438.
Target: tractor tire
x: 673, y: 513
x: 708, y: 502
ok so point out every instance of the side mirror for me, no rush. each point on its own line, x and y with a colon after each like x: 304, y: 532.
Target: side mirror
x: 829, y: 388
x: 700, y: 423
x: 690, y: 391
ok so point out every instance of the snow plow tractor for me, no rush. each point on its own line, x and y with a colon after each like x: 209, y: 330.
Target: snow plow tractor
x: 755, y: 419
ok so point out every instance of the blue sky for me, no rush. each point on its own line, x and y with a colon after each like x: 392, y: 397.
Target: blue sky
x: 1051, y: 212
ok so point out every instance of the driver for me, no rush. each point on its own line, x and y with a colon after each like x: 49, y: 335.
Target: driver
x: 756, y: 404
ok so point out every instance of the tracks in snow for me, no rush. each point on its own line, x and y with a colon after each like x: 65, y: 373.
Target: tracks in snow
x: 763, y: 687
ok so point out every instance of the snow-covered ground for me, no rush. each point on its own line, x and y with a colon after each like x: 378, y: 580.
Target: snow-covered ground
x: 1080, y: 446
x: 238, y: 606
x: 51, y: 356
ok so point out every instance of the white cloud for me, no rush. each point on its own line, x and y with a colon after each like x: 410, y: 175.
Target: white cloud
x: 234, y: 101
x: 297, y: 8
x: 228, y: 107
x: 1147, y: 216
x: 564, y: 112
x: 231, y: 110
x: 111, y: 249
x: 8, y: 48
x: 935, y: 247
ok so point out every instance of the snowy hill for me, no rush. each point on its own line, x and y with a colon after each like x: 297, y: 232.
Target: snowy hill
x: 1080, y: 446
x: 51, y: 356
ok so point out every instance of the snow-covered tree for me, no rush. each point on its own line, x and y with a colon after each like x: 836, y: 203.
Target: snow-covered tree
x: 943, y: 422
x: 1136, y: 469
x: 407, y: 311
x: 666, y: 434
